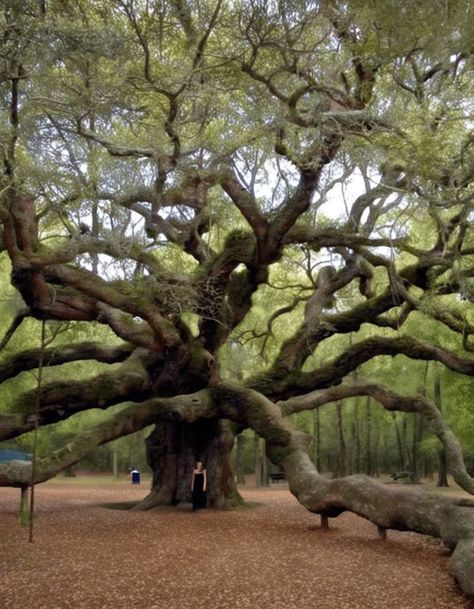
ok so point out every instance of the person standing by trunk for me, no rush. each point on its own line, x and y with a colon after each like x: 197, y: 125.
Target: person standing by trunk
x: 199, y: 486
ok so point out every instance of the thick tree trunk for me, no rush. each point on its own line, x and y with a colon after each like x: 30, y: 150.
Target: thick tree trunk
x: 172, y: 451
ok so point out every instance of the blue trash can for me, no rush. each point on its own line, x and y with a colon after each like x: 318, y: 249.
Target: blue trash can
x: 135, y: 476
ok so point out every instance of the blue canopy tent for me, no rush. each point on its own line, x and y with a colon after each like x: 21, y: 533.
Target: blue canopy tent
x: 8, y: 454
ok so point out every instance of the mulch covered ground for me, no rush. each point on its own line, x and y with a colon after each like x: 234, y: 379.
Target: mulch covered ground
x: 273, y: 556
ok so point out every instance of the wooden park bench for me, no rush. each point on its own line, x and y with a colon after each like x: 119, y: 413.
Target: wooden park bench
x: 276, y: 476
x: 401, y: 476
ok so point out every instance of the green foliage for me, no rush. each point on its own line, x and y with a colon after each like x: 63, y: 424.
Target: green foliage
x: 128, y: 108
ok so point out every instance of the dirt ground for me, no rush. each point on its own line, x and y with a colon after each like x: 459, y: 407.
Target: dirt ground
x: 273, y: 555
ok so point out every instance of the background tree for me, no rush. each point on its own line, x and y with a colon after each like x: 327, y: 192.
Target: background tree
x: 170, y: 171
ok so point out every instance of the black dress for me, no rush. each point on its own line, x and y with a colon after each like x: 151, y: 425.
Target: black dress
x: 199, y: 494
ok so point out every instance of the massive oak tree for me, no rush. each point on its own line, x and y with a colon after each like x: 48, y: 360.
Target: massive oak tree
x: 184, y: 176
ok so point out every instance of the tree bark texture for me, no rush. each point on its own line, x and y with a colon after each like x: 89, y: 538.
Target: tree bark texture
x: 172, y: 451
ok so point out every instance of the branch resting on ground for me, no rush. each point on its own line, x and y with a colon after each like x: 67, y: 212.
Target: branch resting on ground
x: 450, y: 519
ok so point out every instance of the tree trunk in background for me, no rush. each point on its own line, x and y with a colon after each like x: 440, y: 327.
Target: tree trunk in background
x: 355, y: 452
x: 418, y: 424
x: 258, y: 461
x: 135, y: 450
x: 357, y: 448
x: 442, y: 469
x: 385, y: 457
x: 115, y: 469
x: 239, y: 461
x: 375, y: 456
x: 442, y: 463
x: 351, y: 453
x: 172, y: 451
x: 418, y: 428
x: 406, y: 451
x: 401, y: 456
x: 368, y: 439
x: 317, y: 438
x: 265, y: 462
x: 24, y: 516
x: 342, y: 442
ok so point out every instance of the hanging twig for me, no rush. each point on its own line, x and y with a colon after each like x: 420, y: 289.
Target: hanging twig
x: 20, y: 316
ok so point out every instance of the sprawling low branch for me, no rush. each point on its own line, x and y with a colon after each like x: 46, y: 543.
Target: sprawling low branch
x: 393, y: 402
x: 389, y: 508
x: 60, y: 400
x: 28, y: 360
x: 129, y: 420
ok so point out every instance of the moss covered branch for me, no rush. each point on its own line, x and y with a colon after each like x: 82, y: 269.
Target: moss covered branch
x: 28, y: 360
x: 129, y: 420
x: 60, y: 400
x: 279, y: 385
x: 393, y: 402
